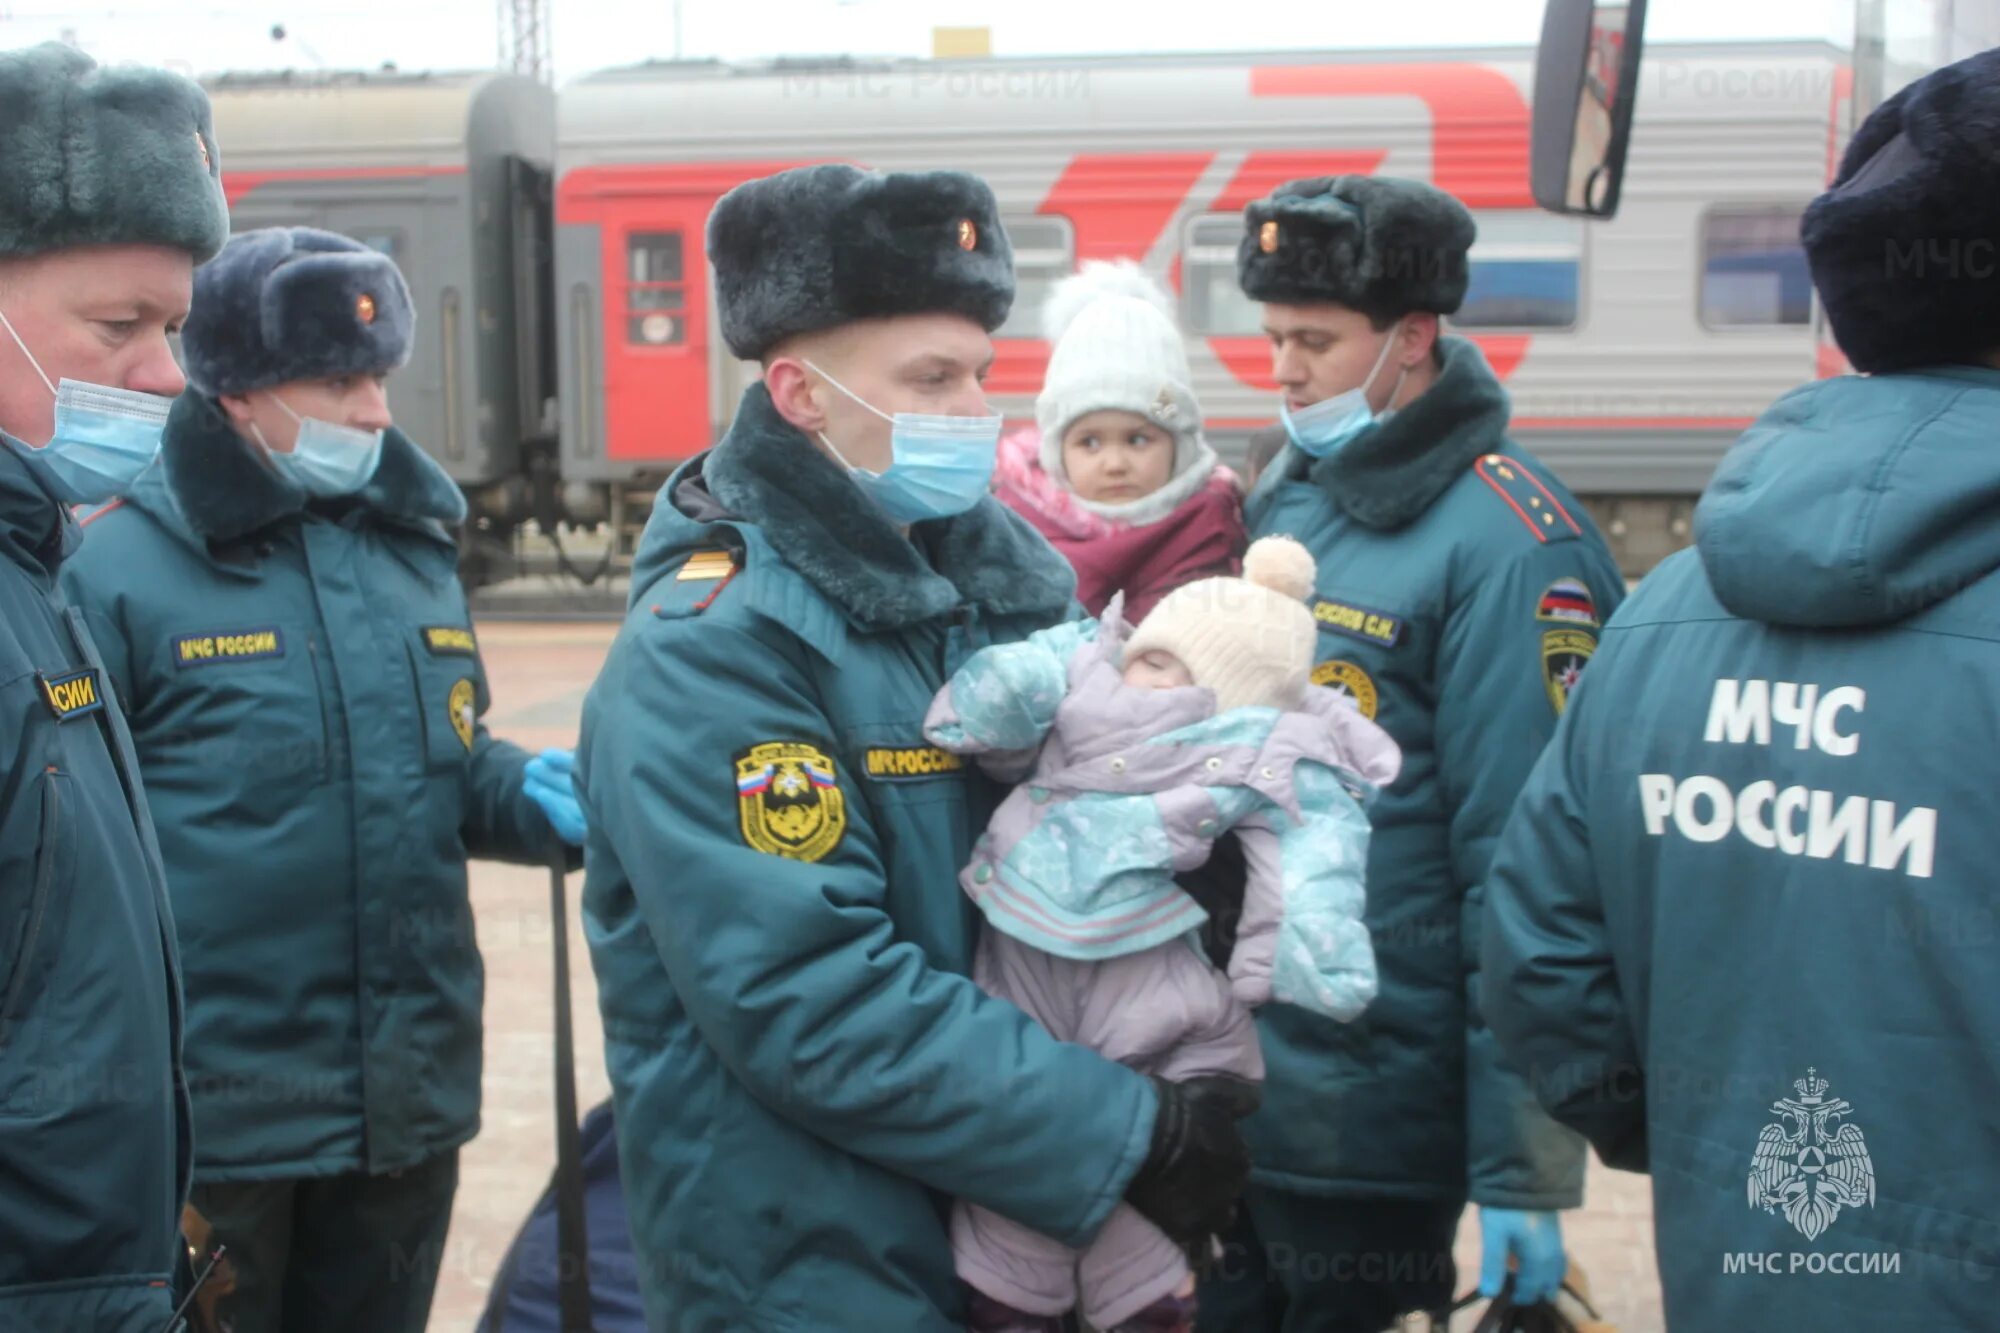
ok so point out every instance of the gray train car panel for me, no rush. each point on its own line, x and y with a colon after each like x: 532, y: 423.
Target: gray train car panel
x: 1633, y: 351
x: 450, y: 175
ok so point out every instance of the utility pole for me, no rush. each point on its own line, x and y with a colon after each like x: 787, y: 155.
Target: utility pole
x: 1971, y: 26
x: 524, y: 38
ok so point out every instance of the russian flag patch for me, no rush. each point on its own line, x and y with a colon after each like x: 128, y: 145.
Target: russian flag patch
x: 1567, y: 602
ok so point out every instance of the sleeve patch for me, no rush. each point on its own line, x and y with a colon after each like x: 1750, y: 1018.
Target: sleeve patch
x: 1532, y: 502
x: 1564, y: 655
x: 1567, y: 602
x: 1350, y: 682
x: 462, y: 707
x: 789, y: 801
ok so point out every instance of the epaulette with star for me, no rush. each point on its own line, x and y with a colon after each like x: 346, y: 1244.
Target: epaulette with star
x: 1532, y: 502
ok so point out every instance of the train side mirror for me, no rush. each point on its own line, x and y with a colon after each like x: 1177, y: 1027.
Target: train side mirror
x: 1586, y: 82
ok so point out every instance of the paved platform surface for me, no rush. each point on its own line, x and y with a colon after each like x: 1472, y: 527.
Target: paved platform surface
x: 539, y: 674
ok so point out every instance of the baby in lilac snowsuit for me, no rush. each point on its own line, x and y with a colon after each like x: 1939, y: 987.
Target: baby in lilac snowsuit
x: 1140, y: 748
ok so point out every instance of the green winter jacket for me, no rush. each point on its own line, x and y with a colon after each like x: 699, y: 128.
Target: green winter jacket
x: 305, y: 692
x: 94, y: 1134
x: 1460, y: 593
x: 1742, y: 925
x: 803, y: 1073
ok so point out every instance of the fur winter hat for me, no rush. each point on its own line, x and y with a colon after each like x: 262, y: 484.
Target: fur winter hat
x: 816, y: 247
x: 293, y: 303
x: 1251, y: 640
x: 1383, y: 246
x: 1117, y: 347
x: 1905, y: 246
x: 96, y: 156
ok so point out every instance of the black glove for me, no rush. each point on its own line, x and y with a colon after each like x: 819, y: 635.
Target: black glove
x: 1217, y: 886
x: 1197, y: 1164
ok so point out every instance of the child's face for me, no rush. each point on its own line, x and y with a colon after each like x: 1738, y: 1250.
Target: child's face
x: 1114, y: 457
x: 1157, y: 670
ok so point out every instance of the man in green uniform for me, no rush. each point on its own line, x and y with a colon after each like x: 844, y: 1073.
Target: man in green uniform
x: 1460, y: 593
x: 109, y: 196
x: 804, y: 1074
x: 279, y: 610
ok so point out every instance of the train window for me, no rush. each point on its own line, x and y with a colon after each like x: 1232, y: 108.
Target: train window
x: 1044, y: 254
x: 1753, y: 268
x: 1211, y: 300
x: 1526, y: 273
x: 655, y: 289
x: 383, y: 241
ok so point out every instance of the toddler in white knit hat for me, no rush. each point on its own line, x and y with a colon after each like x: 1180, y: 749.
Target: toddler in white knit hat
x: 1140, y: 749
x: 1120, y: 477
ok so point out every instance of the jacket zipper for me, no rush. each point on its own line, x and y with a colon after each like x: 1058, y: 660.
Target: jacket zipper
x: 45, y: 869
x: 957, y: 649
x: 326, y: 766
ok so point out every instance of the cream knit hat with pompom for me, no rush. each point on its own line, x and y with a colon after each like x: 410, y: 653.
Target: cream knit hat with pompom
x: 1251, y: 640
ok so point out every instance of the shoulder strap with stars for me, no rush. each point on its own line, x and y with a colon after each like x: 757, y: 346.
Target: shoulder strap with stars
x: 1532, y: 502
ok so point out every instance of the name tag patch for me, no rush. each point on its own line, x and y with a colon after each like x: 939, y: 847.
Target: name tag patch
x: 74, y: 694
x: 193, y: 650
x: 1358, y: 622
x: 909, y: 762
x: 450, y: 641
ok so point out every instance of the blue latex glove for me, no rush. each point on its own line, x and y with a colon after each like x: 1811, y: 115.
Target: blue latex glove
x: 549, y: 781
x: 1535, y: 1240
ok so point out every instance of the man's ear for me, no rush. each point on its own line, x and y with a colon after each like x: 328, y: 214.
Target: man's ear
x: 236, y: 407
x: 791, y: 386
x: 1418, y: 339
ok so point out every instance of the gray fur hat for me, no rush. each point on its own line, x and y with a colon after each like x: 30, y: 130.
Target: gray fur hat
x: 1383, y: 246
x: 94, y: 156
x: 294, y: 303
x: 1905, y: 246
x: 816, y: 247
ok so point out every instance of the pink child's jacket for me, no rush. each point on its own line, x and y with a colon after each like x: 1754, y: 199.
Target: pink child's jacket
x: 1202, y: 538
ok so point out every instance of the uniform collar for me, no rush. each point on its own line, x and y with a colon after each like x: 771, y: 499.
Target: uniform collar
x: 765, y: 472
x: 37, y: 531
x: 214, y: 484
x: 1393, y: 472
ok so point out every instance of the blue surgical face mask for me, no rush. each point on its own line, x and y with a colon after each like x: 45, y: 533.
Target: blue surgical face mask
x: 104, y: 437
x: 938, y: 466
x: 1324, y: 427
x: 326, y: 460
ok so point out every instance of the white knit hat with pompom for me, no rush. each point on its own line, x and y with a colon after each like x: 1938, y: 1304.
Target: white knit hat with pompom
x: 1252, y: 639
x: 1117, y: 347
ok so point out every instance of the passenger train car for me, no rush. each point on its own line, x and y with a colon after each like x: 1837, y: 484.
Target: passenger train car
x: 569, y: 355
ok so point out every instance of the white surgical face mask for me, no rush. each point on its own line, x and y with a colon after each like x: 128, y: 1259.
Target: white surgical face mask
x: 1324, y: 427
x: 326, y: 460
x: 104, y: 436
x: 939, y: 465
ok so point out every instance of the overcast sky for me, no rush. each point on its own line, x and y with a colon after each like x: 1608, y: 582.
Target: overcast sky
x: 206, y: 36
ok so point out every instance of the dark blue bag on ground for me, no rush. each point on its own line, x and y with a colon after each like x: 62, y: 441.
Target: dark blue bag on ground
x: 524, y: 1290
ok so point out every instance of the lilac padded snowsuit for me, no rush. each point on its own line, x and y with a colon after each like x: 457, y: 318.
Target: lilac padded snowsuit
x: 1086, y: 930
